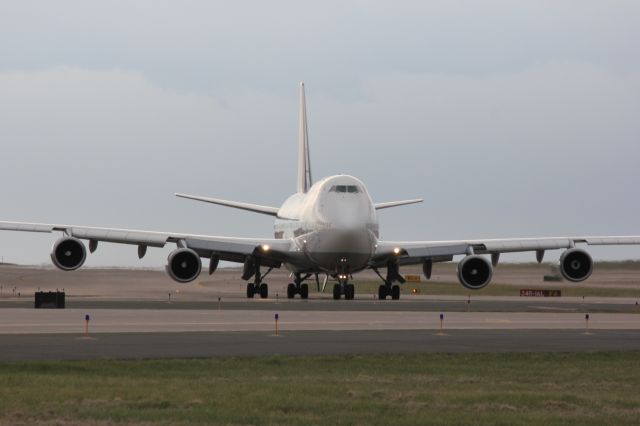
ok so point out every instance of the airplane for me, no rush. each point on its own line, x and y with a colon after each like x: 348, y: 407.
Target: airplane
x: 326, y: 228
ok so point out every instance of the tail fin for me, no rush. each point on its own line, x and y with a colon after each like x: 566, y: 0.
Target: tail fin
x: 304, y: 162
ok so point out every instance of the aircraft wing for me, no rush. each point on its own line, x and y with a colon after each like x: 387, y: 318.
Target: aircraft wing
x: 414, y: 252
x: 271, y: 251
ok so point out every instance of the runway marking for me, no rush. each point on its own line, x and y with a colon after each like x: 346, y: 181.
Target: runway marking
x: 551, y: 308
x: 527, y: 323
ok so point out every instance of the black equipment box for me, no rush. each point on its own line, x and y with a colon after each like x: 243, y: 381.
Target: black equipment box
x: 50, y: 299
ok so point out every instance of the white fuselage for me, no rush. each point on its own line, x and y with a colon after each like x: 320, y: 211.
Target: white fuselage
x: 334, y: 225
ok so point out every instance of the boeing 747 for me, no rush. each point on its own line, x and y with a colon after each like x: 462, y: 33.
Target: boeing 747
x: 328, y: 228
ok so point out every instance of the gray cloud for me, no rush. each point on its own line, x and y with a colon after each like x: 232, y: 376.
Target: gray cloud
x: 510, y: 120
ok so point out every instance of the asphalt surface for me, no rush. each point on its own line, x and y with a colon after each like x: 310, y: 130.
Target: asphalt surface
x: 131, y: 318
x: 196, y: 345
x: 61, y: 321
x: 403, y: 305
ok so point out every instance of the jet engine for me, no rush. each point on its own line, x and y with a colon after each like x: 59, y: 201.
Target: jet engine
x: 576, y: 265
x: 474, y: 272
x: 68, y: 253
x: 183, y: 265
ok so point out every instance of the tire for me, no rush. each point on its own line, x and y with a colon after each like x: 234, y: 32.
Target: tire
x: 350, y: 291
x: 250, y: 290
x: 291, y: 291
x: 336, y: 291
x: 264, y: 291
x: 304, y: 291
x: 395, y: 292
x: 382, y: 292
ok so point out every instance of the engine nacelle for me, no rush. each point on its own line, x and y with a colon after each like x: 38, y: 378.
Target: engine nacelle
x: 68, y: 253
x: 183, y: 265
x: 576, y: 265
x: 474, y: 272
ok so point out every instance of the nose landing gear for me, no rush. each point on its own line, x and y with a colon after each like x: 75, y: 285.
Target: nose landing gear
x: 343, y: 287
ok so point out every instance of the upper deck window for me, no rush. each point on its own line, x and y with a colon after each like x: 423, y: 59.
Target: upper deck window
x: 351, y: 189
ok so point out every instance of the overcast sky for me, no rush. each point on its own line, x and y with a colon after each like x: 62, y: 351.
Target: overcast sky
x: 511, y: 119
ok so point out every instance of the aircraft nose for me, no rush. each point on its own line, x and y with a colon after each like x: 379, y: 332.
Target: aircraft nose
x: 345, y: 217
x: 351, y: 241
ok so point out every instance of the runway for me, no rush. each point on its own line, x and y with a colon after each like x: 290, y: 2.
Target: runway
x: 160, y: 333
x: 141, y: 314
x: 203, y: 344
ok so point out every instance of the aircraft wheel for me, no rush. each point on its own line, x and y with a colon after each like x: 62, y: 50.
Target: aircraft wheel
x: 382, y: 292
x: 304, y: 291
x: 336, y: 291
x: 291, y: 291
x: 250, y: 290
x: 350, y: 291
x: 264, y: 291
x: 395, y: 292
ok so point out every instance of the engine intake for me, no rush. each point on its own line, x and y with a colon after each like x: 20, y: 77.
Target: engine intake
x: 68, y: 253
x: 184, y: 265
x: 474, y: 272
x: 576, y: 265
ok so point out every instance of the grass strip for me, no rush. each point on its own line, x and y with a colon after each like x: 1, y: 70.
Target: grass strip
x: 491, y: 388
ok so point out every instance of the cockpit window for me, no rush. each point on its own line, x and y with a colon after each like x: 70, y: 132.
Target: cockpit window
x: 352, y: 189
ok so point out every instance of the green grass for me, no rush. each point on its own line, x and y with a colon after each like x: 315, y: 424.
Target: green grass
x: 508, y: 389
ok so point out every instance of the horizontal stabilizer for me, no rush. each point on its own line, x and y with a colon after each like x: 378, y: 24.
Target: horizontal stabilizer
x: 381, y: 206
x: 271, y: 211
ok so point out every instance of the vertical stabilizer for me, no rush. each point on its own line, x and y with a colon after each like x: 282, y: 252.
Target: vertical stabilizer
x: 304, y: 162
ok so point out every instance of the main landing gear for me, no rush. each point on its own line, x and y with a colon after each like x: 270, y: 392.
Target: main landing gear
x: 388, y: 288
x: 252, y: 268
x: 298, y: 288
x: 255, y: 288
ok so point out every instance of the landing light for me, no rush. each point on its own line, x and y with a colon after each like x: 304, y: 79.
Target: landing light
x: 265, y: 247
x: 396, y: 250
